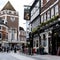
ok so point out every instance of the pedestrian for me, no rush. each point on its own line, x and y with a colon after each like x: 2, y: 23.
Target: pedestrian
x: 58, y: 52
x: 15, y: 49
x: 4, y: 49
x: 0, y: 49
x: 23, y: 49
x: 7, y: 49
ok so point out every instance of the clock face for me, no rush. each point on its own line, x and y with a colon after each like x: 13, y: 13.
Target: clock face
x: 12, y: 19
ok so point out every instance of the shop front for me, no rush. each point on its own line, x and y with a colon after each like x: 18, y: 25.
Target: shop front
x: 55, y: 40
x: 50, y: 38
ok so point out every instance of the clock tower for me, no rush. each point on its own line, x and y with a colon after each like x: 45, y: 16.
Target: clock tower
x: 11, y: 18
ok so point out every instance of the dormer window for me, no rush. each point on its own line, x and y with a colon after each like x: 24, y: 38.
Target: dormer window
x: 5, y: 11
x: 9, y: 12
x: 12, y: 12
x: 1, y: 12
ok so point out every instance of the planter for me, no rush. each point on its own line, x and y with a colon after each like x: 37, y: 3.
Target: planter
x: 50, y: 21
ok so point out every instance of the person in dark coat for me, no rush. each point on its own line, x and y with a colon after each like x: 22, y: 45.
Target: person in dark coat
x: 58, y: 52
x: 15, y: 49
x: 7, y: 49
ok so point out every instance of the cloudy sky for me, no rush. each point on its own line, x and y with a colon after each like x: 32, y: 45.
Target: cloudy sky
x: 19, y: 6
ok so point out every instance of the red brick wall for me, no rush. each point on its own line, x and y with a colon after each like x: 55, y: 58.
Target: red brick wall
x: 46, y: 5
x: 44, y: 2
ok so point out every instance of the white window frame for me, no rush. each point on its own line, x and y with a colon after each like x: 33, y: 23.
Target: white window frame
x: 5, y: 11
x: 52, y: 12
x: 56, y: 10
x: 48, y: 15
x: 42, y: 20
x: 44, y: 17
x: 12, y: 12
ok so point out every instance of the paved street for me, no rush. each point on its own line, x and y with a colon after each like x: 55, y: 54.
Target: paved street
x: 13, y: 56
x: 6, y: 56
x: 20, y: 56
x: 35, y: 57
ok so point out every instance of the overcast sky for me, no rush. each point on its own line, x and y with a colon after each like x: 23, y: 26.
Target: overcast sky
x: 19, y: 6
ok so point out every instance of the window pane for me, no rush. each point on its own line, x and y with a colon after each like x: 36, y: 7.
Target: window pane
x: 48, y: 15
x: 52, y: 12
x: 44, y: 43
x: 56, y: 10
x: 45, y: 17
x: 41, y: 18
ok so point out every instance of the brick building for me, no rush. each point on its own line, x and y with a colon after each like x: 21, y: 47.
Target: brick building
x: 3, y: 33
x: 11, y: 18
x: 34, y: 22
x: 46, y: 28
x: 50, y: 25
x: 22, y: 36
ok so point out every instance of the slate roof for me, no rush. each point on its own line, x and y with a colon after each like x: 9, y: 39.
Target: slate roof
x: 8, y: 6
